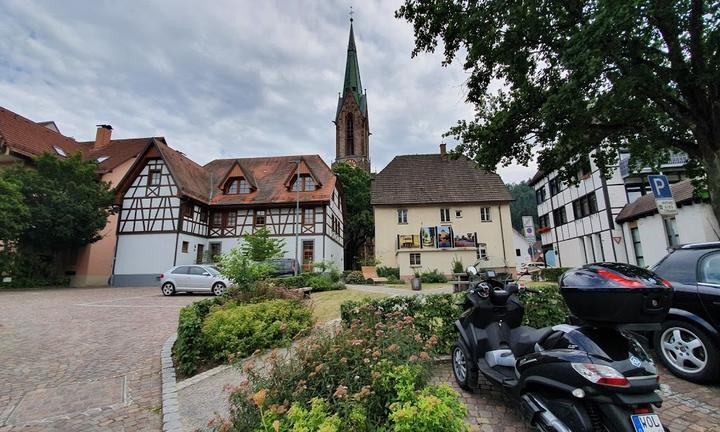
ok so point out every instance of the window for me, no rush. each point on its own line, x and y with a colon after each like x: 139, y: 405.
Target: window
x: 415, y: 260
x: 349, y: 135
x: 517, y: 252
x: 244, y: 186
x: 203, y: 215
x: 237, y: 185
x: 585, y: 168
x: 540, y: 195
x: 216, y: 219
x: 710, y: 269
x: 215, y: 251
x: 59, y: 151
x: 308, y: 184
x: 671, y: 231
x: 585, y: 206
x: 308, y: 216
x: 592, y: 202
x: 458, y: 214
x: 181, y: 270
x: 637, y: 245
x: 188, y: 211
x: 402, y: 216
x: 197, y: 271
x: 259, y: 218
x: 559, y: 216
x: 231, y: 219
x: 185, y: 247
x: 308, y: 254
x: 634, y: 191
x: 544, y: 221
x: 444, y: 215
x: 154, y: 177
x: 554, y: 187
x: 482, y: 251
x: 485, y: 214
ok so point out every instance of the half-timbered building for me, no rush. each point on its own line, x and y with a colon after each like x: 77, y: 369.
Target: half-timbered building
x: 174, y: 211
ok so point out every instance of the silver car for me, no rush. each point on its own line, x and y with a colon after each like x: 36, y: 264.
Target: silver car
x: 192, y: 278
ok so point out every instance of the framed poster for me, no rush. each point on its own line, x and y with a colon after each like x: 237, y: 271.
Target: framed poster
x: 444, y: 237
x: 408, y: 241
x: 466, y: 240
x: 428, y: 237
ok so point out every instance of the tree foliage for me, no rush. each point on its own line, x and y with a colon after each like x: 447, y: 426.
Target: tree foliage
x: 524, y: 204
x: 259, y: 246
x: 14, y: 213
x: 577, y: 77
x: 67, y: 204
x: 359, y: 226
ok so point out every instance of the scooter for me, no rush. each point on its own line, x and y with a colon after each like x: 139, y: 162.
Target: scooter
x: 568, y: 378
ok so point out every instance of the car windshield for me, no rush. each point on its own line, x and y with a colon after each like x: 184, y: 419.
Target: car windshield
x: 213, y: 270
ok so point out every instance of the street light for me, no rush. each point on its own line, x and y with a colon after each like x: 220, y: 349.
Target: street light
x: 297, y: 215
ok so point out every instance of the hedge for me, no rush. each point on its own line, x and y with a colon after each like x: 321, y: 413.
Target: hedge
x: 190, y: 345
x: 551, y: 274
x: 545, y: 309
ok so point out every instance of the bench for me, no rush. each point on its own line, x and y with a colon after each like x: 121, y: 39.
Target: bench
x: 305, y: 291
x: 459, y: 285
x: 370, y: 274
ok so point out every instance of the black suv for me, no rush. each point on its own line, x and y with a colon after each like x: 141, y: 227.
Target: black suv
x: 689, y: 341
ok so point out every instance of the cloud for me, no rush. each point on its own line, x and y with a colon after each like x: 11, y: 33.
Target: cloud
x: 226, y: 78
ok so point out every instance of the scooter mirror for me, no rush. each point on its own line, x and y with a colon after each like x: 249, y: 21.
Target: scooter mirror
x: 472, y: 271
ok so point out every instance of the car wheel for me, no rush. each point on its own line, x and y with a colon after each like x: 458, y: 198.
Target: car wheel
x: 466, y: 373
x: 168, y: 289
x: 687, y: 351
x: 218, y: 288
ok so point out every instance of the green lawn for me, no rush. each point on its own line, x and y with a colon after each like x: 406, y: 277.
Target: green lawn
x: 425, y: 286
x: 326, y: 305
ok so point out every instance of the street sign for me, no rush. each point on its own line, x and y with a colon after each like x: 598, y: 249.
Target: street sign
x: 663, y: 195
x: 529, y: 229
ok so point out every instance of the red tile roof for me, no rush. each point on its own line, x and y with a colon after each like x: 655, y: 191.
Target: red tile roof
x: 117, y: 152
x: 25, y: 137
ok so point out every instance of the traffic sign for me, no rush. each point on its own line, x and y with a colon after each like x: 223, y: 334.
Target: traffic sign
x: 529, y: 229
x: 663, y: 195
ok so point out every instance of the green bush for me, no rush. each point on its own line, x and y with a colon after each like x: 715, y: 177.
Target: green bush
x: 242, y: 270
x: 433, y: 276
x: 432, y: 409
x: 552, y: 274
x: 388, y: 272
x: 190, y: 347
x: 317, y: 281
x: 457, y: 266
x: 354, y: 375
x: 433, y: 315
x: 393, y: 280
x: 545, y: 309
x: 355, y: 278
x: 240, y: 330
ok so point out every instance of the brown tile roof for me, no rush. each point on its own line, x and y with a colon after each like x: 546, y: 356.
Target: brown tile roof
x: 536, y: 178
x: 428, y: 179
x: 193, y: 180
x: 270, y: 174
x: 683, y: 192
x: 29, y: 139
x: 117, y: 152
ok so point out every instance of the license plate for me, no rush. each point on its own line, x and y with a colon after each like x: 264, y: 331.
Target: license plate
x: 647, y: 423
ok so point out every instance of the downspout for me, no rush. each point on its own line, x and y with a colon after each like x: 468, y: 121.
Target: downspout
x: 611, y: 223
x: 502, y: 237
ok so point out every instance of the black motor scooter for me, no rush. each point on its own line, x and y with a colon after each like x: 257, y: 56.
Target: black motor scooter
x: 567, y: 378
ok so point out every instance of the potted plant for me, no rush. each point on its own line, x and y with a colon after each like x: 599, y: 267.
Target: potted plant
x: 415, y: 282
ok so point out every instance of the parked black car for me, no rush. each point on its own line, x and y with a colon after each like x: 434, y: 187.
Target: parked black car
x: 689, y: 342
x: 283, y: 266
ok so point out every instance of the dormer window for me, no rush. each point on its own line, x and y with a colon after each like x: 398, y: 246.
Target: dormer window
x: 237, y: 185
x: 59, y: 151
x: 304, y: 184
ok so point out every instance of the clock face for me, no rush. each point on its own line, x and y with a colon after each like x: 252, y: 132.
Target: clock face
x: 352, y: 163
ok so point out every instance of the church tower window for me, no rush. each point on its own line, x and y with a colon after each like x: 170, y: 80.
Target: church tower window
x: 349, y: 135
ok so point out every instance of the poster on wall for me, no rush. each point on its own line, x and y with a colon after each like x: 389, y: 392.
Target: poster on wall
x: 444, y: 237
x: 408, y: 241
x: 428, y: 237
x: 465, y: 240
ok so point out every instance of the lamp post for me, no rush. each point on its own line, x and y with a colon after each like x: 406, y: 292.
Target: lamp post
x: 297, y: 216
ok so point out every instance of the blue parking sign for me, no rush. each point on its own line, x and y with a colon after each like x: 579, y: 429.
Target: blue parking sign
x: 660, y: 186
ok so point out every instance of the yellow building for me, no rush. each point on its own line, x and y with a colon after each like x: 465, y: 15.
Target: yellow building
x: 431, y: 211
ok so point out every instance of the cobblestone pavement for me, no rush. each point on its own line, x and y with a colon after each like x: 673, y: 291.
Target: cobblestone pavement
x: 686, y: 406
x: 83, y: 359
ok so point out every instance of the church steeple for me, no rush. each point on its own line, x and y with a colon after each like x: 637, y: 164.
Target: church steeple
x: 351, y: 119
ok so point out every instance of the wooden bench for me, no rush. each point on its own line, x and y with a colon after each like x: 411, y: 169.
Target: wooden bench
x: 305, y: 291
x: 459, y: 285
x: 370, y: 274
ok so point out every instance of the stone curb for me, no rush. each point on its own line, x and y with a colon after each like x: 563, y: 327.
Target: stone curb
x: 170, y: 413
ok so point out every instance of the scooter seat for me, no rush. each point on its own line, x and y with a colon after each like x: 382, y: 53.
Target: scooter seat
x: 523, y: 339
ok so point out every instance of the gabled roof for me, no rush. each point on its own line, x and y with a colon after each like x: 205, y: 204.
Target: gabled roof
x: 430, y: 179
x: 236, y: 170
x: 27, y: 138
x: 271, y: 174
x: 303, y: 169
x: 683, y: 193
x: 117, y: 152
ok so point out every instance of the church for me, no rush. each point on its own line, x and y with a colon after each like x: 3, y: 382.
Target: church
x: 173, y: 211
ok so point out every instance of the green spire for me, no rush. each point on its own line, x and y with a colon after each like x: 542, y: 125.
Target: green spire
x: 352, y: 70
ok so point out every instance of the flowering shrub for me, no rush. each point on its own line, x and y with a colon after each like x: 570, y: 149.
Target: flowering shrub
x: 351, y: 375
x: 355, y: 278
x: 240, y: 330
x: 433, y: 314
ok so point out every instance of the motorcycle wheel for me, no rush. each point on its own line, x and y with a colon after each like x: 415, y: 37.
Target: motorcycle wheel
x: 464, y: 369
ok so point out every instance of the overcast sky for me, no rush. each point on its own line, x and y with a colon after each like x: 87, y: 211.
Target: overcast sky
x: 226, y: 78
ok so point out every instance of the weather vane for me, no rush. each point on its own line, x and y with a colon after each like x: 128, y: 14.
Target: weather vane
x: 351, y: 13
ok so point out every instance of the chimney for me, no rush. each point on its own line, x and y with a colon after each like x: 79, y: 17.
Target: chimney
x: 102, y: 137
x: 443, y: 151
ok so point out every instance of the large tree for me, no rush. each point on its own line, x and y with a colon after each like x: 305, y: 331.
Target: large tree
x: 358, y: 216
x: 577, y: 76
